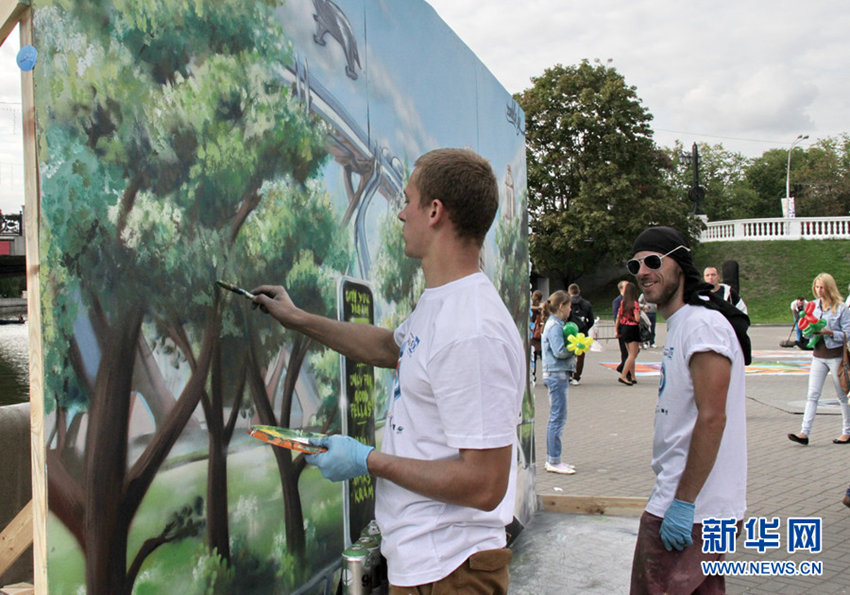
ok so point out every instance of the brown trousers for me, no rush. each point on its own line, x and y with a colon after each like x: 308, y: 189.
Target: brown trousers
x: 483, y: 572
x: 656, y: 571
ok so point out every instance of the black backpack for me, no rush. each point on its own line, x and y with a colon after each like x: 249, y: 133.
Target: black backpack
x: 580, y: 316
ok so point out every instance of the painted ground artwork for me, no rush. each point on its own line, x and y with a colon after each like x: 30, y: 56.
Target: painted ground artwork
x: 183, y: 143
x: 764, y: 363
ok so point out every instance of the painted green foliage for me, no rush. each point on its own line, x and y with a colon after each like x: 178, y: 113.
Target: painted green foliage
x: 172, y: 154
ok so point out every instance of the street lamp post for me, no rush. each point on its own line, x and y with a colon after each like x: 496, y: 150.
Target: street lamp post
x: 797, y: 141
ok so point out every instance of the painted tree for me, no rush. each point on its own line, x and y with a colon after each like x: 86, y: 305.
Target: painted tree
x: 162, y: 123
x: 511, y: 281
x: 511, y: 277
x: 398, y: 277
x: 595, y: 177
x: 296, y: 238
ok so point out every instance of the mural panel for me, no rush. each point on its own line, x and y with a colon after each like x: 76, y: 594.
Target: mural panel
x: 184, y: 142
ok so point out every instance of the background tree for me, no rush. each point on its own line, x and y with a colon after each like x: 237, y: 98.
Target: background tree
x: 12, y: 286
x: 766, y: 176
x: 595, y: 177
x: 822, y: 179
x: 728, y: 194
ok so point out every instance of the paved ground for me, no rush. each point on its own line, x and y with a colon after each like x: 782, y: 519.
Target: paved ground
x: 608, y: 438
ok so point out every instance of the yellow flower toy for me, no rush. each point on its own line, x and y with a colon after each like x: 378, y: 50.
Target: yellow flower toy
x: 579, y: 343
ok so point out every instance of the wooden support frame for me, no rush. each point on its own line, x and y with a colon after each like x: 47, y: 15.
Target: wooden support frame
x: 10, y: 13
x: 611, y: 506
x: 16, y: 537
x: 32, y: 212
x: 33, y: 518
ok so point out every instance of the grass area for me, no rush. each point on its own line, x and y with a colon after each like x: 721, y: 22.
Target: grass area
x: 771, y: 273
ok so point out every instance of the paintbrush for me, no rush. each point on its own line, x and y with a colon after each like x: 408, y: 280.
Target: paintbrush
x: 235, y: 289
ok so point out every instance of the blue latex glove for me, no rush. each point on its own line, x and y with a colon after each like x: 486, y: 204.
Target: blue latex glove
x: 677, y: 525
x: 345, y: 458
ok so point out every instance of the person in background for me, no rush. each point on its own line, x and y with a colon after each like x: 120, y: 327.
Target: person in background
x: 446, y: 470
x: 798, y: 307
x: 827, y: 356
x: 651, y: 311
x: 628, y: 318
x: 581, y: 313
x: 615, y: 309
x: 558, y: 364
x: 538, y: 319
x: 699, y: 451
x: 726, y: 292
x: 537, y: 305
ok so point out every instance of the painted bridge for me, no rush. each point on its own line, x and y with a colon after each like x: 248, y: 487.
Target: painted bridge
x: 13, y: 245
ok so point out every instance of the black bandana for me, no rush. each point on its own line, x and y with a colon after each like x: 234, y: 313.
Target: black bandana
x: 697, y: 292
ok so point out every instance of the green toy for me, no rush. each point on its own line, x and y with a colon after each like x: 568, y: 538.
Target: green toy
x: 811, y: 332
x: 570, y: 329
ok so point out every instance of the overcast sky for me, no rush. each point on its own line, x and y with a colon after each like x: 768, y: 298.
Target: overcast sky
x: 749, y: 74
x: 11, y: 141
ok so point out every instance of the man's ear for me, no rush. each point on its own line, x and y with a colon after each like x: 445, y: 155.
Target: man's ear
x: 437, y: 212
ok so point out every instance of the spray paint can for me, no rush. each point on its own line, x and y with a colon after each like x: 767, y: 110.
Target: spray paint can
x: 372, y: 544
x: 371, y: 528
x: 356, y: 570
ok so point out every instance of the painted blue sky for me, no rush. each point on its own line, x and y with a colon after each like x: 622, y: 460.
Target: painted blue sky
x: 418, y: 87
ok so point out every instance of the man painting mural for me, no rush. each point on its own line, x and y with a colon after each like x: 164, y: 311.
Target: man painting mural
x: 699, y: 451
x: 447, y: 466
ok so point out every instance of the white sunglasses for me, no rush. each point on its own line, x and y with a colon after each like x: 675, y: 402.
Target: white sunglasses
x: 653, y: 261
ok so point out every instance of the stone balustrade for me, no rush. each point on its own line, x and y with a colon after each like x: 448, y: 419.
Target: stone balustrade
x: 798, y: 228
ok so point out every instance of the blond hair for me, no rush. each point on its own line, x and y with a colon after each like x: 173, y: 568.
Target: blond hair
x: 831, y: 298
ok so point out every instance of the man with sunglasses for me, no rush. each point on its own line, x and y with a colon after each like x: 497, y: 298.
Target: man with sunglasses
x: 699, y: 448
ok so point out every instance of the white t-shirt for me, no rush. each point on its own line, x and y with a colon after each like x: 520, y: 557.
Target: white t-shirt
x: 694, y: 329
x: 459, y: 384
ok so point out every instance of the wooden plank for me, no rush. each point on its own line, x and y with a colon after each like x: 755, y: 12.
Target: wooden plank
x: 32, y: 218
x: 10, y: 13
x: 612, y: 506
x: 18, y: 589
x: 16, y: 537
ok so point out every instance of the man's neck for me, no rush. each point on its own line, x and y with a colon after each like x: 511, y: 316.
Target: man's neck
x: 670, y: 309
x: 673, y: 304
x: 451, y: 262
